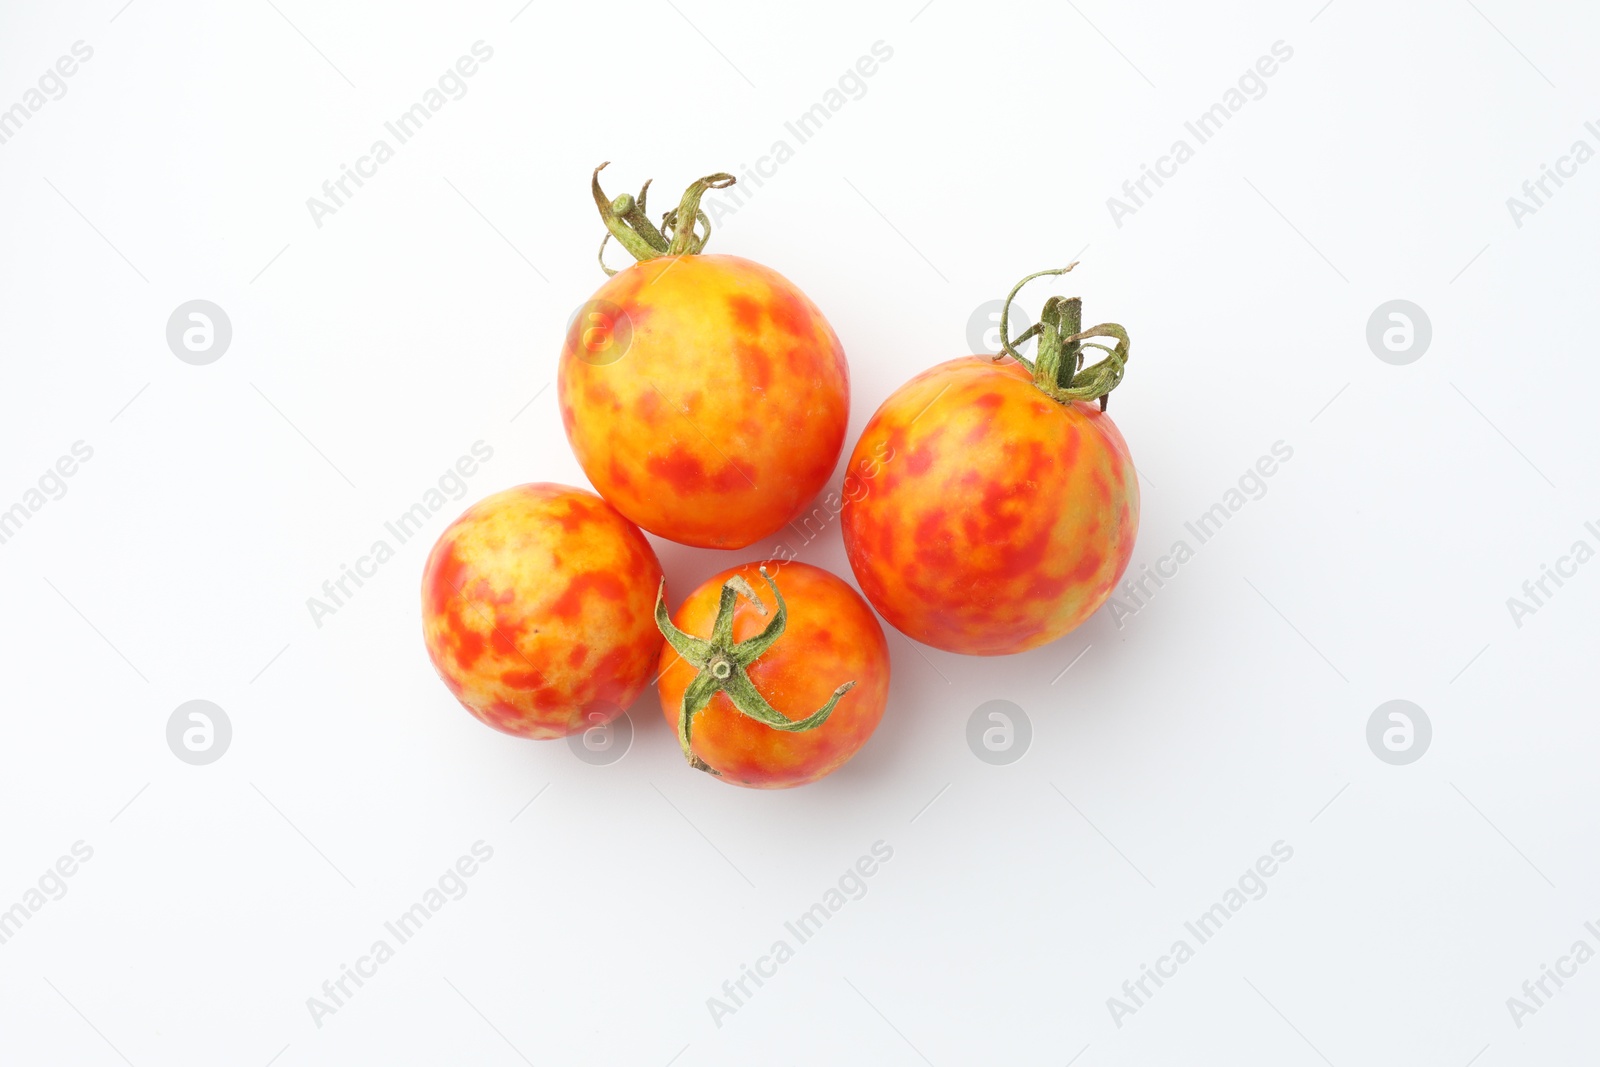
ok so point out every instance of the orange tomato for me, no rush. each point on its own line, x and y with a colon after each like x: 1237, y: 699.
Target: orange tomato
x: 536, y: 607
x: 704, y: 395
x: 829, y: 662
x: 998, y: 514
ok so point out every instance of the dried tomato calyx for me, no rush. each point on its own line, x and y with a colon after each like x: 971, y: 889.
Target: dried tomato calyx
x: 1059, y: 371
x: 626, y: 220
x: 721, y: 662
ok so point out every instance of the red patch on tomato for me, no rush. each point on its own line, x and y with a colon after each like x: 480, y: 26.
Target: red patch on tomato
x: 600, y: 395
x: 931, y: 541
x: 679, y: 469
x: 789, y: 312
x: 446, y: 579
x: 609, y: 674
x: 1037, y: 467
x: 684, y: 472
x: 1071, y: 447
x: 997, y: 521
x: 469, y: 644
x: 921, y: 458
x: 1046, y: 589
x: 524, y: 679
x: 1087, y: 567
x: 746, y: 312
x: 576, y: 656
x: 506, y: 634
x: 639, y: 561
x: 755, y: 363
x: 648, y: 406
x: 577, y: 513
x: 988, y: 407
x: 799, y: 360
x: 503, y: 714
x: 1028, y: 555
x: 589, y: 584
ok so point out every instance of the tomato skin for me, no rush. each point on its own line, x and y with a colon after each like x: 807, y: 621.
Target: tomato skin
x: 727, y: 411
x: 997, y: 519
x: 831, y: 638
x: 536, y: 607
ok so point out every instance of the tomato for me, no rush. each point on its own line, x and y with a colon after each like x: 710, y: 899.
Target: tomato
x: 993, y: 507
x: 536, y: 609
x: 778, y: 696
x: 704, y: 395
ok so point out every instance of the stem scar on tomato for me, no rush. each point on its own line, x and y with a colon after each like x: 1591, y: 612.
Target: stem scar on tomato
x: 721, y: 663
x: 1059, y: 371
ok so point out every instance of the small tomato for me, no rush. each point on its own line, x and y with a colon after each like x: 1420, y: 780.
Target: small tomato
x: 772, y: 698
x: 996, y: 507
x: 536, y: 610
x: 705, y: 396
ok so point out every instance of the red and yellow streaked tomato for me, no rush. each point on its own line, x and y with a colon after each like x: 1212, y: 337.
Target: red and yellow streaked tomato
x: 536, y: 609
x: 1003, y: 515
x: 828, y: 662
x: 704, y: 395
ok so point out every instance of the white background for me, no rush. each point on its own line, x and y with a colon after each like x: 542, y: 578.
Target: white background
x: 1227, y: 714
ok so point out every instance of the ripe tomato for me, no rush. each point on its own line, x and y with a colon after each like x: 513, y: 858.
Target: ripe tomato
x: 705, y: 397
x: 777, y: 696
x: 536, y: 610
x: 1003, y: 507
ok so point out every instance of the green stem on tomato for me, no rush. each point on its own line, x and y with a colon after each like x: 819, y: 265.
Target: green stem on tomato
x: 722, y: 663
x: 627, y: 222
x: 1058, y: 369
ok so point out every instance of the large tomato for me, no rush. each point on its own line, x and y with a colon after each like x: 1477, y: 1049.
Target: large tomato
x: 536, y: 610
x: 1001, y: 506
x: 705, y: 396
x: 776, y: 696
